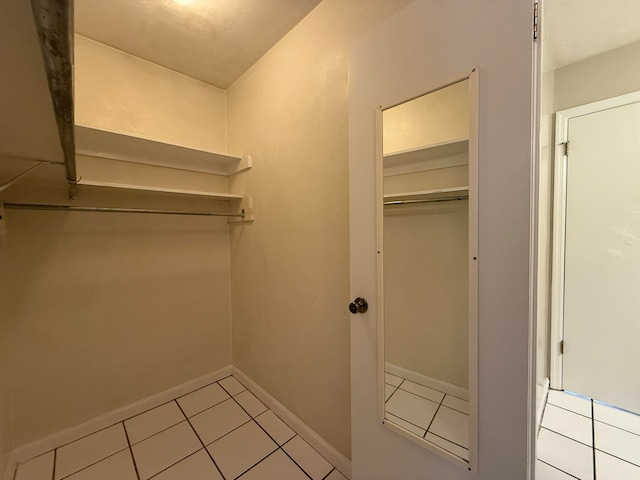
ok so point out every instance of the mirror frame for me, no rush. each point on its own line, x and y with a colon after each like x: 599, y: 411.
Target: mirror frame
x: 474, y: 83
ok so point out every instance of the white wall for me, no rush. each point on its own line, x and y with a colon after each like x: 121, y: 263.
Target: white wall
x: 119, y: 92
x: 290, y: 269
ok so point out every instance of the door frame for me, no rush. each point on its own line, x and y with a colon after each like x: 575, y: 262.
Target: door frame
x: 559, y: 224
x: 473, y: 103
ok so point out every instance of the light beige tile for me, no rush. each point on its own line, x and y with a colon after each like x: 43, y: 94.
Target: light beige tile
x: 276, y: 428
x: 276, y: 466
x: 569, y: 424
x: 571, y: 402
x: 572, y: 457
x: 425, y: 392
x: 611, y: 468
x: 617, y: 442
x: 404, y: 424
x: 231, y: 385
x: 164, y: 449
x: 456, y: 404
x: 38, y: 468
x: 200, y: 400
x: 198, y: 466
x: 392, y: 380
x: 118, y: 466
x: 618, y: 418
x: 241, y: 449
x: 219, y: 420
x: 250, y: 403
x: 149, y: 423
x: 89, y: 450
x: 304, y: 455
x: 336, y: 475
x: 450, y: 447
x: 451, y: 425
x: 412, y: 408
x: 547, y: 472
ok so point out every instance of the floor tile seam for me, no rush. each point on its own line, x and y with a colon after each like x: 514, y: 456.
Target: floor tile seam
x: 405, y: 420
x: 135, y: 465
x: 426, y: 386
x: 154, y: 434
x: 559, y: 469
x: 617, y: 427
x: 294, y: 460
x: 208, y: 408
x: 176, y: 463
x: 207, y: 445
x: 567, y: 437
x: 202, y: 388
x: 392, y: 394
x: 619, y: 458
x: 55, y: 458
x: 330, y: 472
x: 422, y: 396
x: 416, y: 395
x: 567, y: 409
x: 269, y: 435
x: 256, y: 464
x: 94, y: 463
x: 446, y: 450
x: 87, y: 435
x: 148, y: 410
x: 448, y: 440
x: 201, y: 443
x: 455, y: 409
x: 431, y: 422
x: 593, y: 439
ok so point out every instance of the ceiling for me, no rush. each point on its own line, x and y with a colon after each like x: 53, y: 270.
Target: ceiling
x: 578, y: 29
x: 215, y: 41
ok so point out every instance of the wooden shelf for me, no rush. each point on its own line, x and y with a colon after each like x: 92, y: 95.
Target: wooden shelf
x: 117, y: 146
x: 428, y: 195
x: 214, y: 196
x: 428, y: 157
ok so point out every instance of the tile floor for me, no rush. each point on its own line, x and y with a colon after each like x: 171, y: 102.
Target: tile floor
x: 435, y: 416
x: 221, y: 431
x: 581, y: 438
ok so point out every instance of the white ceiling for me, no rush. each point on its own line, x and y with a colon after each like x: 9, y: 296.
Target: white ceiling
x: 578, y: 29
x: 215, y: 41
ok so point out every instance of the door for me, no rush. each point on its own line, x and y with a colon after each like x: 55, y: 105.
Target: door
x: 426, y: 46
x: 602, y: 255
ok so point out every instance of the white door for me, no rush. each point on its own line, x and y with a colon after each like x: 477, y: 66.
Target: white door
x: 427, y: 45
x: 602, y: 256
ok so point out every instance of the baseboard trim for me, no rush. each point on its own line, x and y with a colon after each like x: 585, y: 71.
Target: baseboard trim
x: 542, y: 403
x: 426, y: 381
x: 55, y: 440
x: 342, y: 463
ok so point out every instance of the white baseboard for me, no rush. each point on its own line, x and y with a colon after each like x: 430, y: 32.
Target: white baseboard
x: 426, y: 381
x: 342, y: 463
x: 542, y: 402
x: 55, y: 440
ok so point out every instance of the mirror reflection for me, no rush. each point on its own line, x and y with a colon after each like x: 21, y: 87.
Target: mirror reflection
x: 426, y: 267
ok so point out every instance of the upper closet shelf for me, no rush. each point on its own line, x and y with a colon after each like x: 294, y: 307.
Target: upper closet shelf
x: 439, y: 194
x: 429, y: 157
x: 102, y: 143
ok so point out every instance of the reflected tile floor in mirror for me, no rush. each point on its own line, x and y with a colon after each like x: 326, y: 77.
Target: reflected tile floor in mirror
x: 437, y: 417
x: 581, y: 438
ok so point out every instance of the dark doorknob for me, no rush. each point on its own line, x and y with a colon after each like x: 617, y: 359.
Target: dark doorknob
x: 359, y: 305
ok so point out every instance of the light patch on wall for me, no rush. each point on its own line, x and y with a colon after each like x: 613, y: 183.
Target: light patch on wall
x: 184, y: 2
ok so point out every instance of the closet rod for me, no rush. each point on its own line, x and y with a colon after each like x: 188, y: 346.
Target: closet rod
x: 73, y: 208
x: 431, y: 200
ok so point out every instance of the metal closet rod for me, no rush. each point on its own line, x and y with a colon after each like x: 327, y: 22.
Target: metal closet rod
x: 74, y: 208
x: 432, y: 200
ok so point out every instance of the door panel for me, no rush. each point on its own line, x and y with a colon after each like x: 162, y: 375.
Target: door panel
x: 602, y: 257
x: 426, y: 46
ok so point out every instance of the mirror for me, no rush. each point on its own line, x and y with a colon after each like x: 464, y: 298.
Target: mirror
x: 426, y: 268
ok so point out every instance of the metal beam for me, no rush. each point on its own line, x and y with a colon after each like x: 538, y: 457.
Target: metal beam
x: 54, y: 22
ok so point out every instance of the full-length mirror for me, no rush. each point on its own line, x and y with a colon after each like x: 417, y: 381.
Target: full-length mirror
x: 426, y: 267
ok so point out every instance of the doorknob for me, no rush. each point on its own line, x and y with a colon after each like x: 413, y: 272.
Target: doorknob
x: 359, y: 305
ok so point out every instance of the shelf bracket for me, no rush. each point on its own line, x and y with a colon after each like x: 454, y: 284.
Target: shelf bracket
x: 244, y: 206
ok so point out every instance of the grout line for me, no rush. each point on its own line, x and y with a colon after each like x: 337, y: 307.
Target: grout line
x: 330, y: 472
x: 619, y: 458
x: 566, y: 436
x: 392, y: 394
x: 95, y: 463
x: 448, y: 440
x: 556, y: 468
x: 404, y: 420
x: 420, y: 396
x: 200, y: 440
x: 568, y: 410
x: 55, y: 461
x: 135, y: 466
x: 294, y: 461
x: 431, y: 422
x: 617, y: 427
x: 157, y: 433
x: 593, y: 440
x: 208, y: 408
x: 454, y: 409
